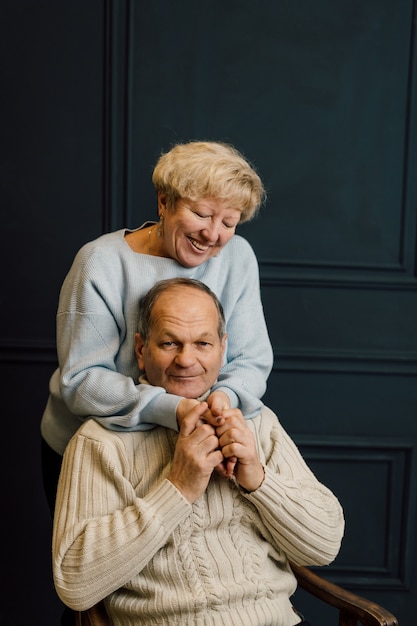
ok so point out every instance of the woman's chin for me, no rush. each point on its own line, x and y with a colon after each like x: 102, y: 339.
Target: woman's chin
x: 192, y: 257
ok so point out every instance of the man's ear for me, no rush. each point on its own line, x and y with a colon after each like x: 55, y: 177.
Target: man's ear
x: 139, y: 345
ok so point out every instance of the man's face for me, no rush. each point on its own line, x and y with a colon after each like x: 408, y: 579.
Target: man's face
x: 184, y: 352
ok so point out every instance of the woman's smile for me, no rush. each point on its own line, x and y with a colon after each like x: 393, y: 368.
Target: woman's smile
x: 195, y: 230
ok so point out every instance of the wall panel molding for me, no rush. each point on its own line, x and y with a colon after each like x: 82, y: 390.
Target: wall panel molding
x: 117, y: 67
x: 398, y: 276
x: 296, y: 361
x: 276, y: 273
x: 33, y: 351
x: 344, y: 362
x: 370, y: 475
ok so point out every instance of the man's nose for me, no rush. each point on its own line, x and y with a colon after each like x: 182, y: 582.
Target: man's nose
x: 185, y: 357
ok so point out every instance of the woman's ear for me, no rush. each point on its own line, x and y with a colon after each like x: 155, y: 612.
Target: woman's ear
x: 139, y: 345
x: 162, y: 203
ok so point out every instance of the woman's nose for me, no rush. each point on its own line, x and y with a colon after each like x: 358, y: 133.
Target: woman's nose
x: 211, y: 232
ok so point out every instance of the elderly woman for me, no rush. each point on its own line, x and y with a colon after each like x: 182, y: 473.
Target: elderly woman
x: 204, y: 190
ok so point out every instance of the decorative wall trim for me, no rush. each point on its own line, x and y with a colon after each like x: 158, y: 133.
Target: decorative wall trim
x: 393, y: 465
x: 274, y: 273
x: 116, y: 90
x: 345, y: 362
x: 31, y: 351
x: 297, y: 361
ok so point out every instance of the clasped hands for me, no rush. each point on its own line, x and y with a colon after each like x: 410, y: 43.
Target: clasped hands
x: 213, y: 438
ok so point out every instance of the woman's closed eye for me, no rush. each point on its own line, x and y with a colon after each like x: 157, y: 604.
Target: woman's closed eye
x: 226, y: 224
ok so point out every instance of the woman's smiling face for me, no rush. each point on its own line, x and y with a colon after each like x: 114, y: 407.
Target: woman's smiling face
x: 195, y: 230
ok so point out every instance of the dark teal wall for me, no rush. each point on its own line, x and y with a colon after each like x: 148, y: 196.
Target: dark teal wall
x: 321, y: 97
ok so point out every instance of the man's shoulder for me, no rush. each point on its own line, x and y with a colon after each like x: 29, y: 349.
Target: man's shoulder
x: 91, y: 429
x: 265, y: 421
x: 126, y: 440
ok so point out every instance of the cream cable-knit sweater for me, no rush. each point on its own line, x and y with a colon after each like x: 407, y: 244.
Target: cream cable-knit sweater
x: 123, y: 532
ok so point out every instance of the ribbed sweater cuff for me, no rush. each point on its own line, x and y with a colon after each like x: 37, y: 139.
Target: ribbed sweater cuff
x: 171, y: 505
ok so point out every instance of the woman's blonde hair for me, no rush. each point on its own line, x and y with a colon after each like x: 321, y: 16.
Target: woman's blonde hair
x: 209, y: 169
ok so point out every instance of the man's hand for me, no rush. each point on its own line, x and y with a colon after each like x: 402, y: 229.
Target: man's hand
x: 237, y: 440
x: 196, y: 454
x: 218, y: 402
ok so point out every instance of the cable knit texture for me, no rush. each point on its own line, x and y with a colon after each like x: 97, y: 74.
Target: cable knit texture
x: 123, y: 532
x: 97, y: 320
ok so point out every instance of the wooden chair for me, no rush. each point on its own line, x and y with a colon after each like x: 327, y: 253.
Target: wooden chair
x: 96, y: 616
x: 353, y: 609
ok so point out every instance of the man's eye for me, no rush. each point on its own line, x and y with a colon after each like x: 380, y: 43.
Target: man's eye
x: 168, y: 344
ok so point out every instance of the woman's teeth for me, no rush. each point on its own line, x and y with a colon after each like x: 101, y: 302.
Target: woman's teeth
x: 198, y: 245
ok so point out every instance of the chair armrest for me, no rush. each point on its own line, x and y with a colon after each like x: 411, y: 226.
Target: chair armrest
x: 96, y: 616
x: 351, y: 606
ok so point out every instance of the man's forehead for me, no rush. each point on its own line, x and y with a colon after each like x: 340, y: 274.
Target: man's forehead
x: 173, y: 300
x: 186, y: 308
x: 193, y: 320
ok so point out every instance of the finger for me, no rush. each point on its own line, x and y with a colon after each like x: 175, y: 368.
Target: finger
x: 230, y: 436
x: 226, y: 467
x: 232, y: 449
x: 232, y: 425
x: 221, y: 470
x: 217, y: 407
x: 214, y: 420
x: 233, y: 416
x: 191, y: 420
x: 218, y: 401
x: 230, y: 466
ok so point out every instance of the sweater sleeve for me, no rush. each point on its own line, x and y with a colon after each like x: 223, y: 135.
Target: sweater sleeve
x: 102, y: 541
x: 303, y: 516
x: 96, y: 323
x: 249, y: 352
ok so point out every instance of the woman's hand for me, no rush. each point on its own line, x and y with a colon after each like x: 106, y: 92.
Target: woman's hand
x: 184, y: 407
x: 218, y: 401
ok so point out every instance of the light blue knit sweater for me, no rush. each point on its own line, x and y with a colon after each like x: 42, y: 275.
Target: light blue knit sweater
x: 97, y: 320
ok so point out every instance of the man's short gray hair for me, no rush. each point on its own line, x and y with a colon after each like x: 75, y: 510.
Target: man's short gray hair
x: 148, y: 301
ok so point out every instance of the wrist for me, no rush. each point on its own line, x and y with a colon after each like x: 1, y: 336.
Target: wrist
x: 253, y: 481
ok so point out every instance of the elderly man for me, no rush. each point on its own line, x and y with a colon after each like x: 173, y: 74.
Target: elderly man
x: 153, y: 523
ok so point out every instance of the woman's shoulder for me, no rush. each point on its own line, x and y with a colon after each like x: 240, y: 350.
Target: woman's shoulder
x: 239, y: 253
x: 238, y: 241
x: 103, y: 256
x: 103, y: 242
x: 102, y: 251
x: 238, y: 246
